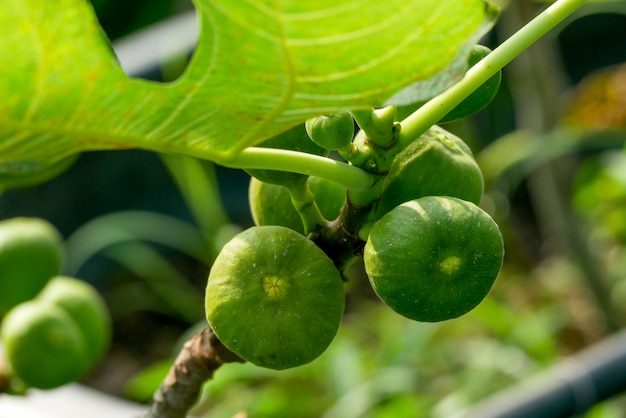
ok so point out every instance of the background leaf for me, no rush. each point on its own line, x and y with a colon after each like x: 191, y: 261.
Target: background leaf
x: 259, y: 69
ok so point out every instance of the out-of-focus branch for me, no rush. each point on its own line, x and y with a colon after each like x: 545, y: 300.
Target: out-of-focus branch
x: 200, y: 356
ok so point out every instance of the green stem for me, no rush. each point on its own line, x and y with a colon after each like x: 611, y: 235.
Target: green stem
x: 362, y: 116
x: 304, y: 202
x: 303, y: 163
x: 435, y: 109
x: 378, y: 125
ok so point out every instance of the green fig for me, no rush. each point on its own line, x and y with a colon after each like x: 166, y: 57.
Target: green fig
x: 329, y: 196
x: 270, y: 204
x: 86, y: 307
x: 43, y: 345
x: 433, y: 258
x: 274, y: 298
x: 30, y: 254
x: 332, y: 132
x: 436, y: 164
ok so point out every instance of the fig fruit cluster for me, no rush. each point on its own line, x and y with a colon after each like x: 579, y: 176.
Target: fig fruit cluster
x: 275, y: 294
x: 53, y: 329
x: 433, y: 254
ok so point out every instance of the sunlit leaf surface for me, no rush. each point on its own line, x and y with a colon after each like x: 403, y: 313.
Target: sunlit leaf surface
x: 260, y: 67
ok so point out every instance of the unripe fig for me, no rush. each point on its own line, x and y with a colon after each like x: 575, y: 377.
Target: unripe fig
x: 271, y: 204
x: 433, y: 258
x: 482, y: 96
x: 295, y: 139
x: 30, y: 254
x: 86, y: 307
x: 436, y: 164
x: 274, y: 298
x: 43, y: 345
x: 333, y: 131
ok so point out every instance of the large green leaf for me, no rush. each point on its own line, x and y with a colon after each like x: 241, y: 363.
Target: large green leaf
x: 261, y: 67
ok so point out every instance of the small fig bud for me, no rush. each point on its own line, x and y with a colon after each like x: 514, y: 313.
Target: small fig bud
x: 333, y: 131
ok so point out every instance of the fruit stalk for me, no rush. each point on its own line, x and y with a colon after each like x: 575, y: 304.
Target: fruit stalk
x: 340, y: 238
x: 200, y: 356
x: 304, y: 202
x: 378, y: 125
x: 303, y: 163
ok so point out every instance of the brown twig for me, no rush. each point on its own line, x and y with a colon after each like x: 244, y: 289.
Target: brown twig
x: 5, y: 381
x: 201, y: 355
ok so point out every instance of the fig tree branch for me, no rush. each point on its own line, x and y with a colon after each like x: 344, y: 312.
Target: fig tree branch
x: 200, y: 356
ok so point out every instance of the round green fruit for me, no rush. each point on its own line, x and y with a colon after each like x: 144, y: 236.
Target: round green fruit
x: 86, y: 307
x: 30, y: 254
x: 332, y: 132
x: 295, y: 139
x: 274, y: 298
x: 43, y: 345
x: 438, y: 163
x: 433, y: 258
x: 270, y: 204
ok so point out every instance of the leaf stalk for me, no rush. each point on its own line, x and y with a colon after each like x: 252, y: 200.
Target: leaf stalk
x: 303, y: 163
x: 436, y: 108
